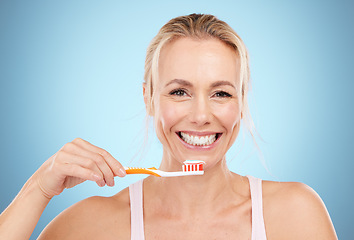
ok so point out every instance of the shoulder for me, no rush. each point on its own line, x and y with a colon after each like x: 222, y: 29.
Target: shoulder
x: 93, y: 218
x: 294, y: 210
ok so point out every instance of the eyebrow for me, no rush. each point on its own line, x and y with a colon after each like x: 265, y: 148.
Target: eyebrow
x: 179, y: 81
x: 188, y: 84
x: 221, y: 83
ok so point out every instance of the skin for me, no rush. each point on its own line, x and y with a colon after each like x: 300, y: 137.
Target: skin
x: 205, y: 99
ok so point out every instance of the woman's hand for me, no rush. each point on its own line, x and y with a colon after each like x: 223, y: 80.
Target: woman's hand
x: 74, y: 163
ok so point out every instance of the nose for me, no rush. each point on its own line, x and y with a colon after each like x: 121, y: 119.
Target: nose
x: 200, y: 111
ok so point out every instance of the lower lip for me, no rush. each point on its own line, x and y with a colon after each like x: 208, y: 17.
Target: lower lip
x: 200, y: 148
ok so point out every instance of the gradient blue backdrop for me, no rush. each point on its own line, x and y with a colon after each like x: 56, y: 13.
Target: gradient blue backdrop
x: 75, y: 68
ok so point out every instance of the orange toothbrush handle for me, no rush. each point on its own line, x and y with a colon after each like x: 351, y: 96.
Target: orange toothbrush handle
x: 142, y: 171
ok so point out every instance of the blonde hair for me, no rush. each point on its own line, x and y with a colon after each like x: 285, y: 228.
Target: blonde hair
x: 198, y: 26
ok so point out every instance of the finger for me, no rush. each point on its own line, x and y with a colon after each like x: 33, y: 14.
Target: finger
x: 97, y: 158
x: 87, y: 163
x: 74, y: 170
x: 115, y: 165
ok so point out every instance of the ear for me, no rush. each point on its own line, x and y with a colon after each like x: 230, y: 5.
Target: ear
x: 144, y: 94
x: 146, y: 101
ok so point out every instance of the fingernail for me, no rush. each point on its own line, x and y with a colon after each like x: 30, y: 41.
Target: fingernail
x: 111, y: 183
x: 122, y: 172
x: 102, y: 183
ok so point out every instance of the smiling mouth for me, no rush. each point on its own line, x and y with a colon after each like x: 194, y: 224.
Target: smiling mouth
x: 199, y: 140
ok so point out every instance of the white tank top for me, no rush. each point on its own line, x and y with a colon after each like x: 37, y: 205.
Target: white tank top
x: 136, y: 210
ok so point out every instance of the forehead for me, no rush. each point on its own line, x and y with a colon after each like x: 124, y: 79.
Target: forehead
x: 195, y: 60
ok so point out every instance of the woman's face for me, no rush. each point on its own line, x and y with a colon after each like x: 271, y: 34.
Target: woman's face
x: 197, y: 105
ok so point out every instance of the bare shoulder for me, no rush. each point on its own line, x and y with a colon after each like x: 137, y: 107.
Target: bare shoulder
x: 93, y: 218
x: 294, y: 210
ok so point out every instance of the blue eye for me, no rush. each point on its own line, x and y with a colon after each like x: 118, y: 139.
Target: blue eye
x: 178, y: 92
x: 223, y: 94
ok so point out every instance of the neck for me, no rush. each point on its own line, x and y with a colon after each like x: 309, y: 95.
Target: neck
x: 191, y: 195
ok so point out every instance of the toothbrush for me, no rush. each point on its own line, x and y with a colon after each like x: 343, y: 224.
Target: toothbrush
x: 190, y: 167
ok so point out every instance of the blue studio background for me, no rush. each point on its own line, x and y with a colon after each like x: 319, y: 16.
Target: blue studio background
x: 75, y: 69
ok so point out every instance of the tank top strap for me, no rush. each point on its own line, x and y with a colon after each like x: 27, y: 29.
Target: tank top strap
x: 258, y: 228
x: 136, y: 210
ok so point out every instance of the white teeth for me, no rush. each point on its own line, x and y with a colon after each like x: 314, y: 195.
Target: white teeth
x: 195, y: 140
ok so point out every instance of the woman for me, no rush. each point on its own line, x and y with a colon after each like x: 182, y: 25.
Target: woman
x: 196, y: 84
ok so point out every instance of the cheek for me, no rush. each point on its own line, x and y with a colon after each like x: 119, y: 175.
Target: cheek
x: 169, y: 114
x: 229, y: 115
